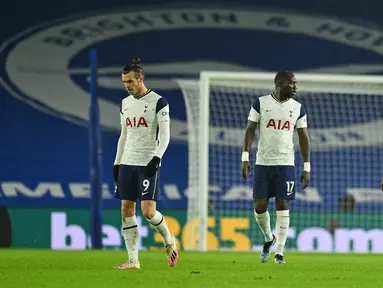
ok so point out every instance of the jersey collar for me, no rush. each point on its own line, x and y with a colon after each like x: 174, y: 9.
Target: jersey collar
x: 146, y: 93
x: 279, y: 101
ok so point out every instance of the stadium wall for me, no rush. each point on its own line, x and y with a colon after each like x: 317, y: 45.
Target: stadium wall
x: 44, y: 86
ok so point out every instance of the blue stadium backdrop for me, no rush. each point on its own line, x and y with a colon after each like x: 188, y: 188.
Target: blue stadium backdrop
x: 45, y: 85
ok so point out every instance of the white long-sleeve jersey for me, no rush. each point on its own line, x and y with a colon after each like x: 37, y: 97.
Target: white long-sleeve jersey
x: 276, y: 121
x: 145, y: 129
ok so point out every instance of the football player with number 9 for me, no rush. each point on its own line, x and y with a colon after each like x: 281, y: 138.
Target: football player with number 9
x: 145, y: 136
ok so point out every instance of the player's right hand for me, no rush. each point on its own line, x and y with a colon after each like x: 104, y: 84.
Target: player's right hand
x: 115, y: 172
x: 245, y: 169
x: 152, y: 167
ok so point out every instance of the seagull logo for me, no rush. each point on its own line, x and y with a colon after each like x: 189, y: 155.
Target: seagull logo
x: 56, y: 54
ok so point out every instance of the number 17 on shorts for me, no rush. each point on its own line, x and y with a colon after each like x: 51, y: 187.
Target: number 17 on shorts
x: 285, y: 178
x: 290, y: 185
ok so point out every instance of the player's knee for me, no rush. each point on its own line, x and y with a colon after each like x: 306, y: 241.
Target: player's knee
x: 148, y: 213
x: 128, y: 209
x: 148, y: 209
x: 260, y: 208
x: 260, y: 205
x: 281, y: 204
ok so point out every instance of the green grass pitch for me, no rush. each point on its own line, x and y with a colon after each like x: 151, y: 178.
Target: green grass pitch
x: 45, y: 268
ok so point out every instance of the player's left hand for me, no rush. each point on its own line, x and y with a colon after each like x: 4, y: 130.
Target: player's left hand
x: 305, y: 178
x: 115, y: 191
x: 116, y: 169
x: 245, y: 169
x: 152, y: 166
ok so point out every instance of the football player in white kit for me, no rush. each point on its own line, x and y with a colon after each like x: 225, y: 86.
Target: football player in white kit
x: 276, y: 115
x: 145, y: 135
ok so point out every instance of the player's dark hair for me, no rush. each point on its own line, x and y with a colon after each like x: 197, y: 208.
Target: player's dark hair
x: 135, y: 67
x: 283, y: 76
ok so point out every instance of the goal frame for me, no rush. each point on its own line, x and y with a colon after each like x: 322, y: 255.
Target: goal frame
x: 265, y: 80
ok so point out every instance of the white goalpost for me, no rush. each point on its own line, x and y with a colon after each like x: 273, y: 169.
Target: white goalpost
x: 341, y: 211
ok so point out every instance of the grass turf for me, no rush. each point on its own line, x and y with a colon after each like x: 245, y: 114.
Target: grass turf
x: 46, y: 268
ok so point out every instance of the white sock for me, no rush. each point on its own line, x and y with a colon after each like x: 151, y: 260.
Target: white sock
x: 282, y: 227
x: 263, y: 221
x: 130, y: 232
x: 159, y: 223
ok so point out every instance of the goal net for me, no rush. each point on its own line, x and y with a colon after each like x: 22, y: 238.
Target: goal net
x: 341, y: 210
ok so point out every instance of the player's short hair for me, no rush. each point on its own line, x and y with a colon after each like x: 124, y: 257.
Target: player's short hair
x: 135, y: 67
x: 283, y: 76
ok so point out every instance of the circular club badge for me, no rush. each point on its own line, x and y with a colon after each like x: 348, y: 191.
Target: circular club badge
x: 48, y: 66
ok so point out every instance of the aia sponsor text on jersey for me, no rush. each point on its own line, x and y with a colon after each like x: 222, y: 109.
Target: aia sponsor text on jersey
x: 279, y: 125
x: 136, y: 122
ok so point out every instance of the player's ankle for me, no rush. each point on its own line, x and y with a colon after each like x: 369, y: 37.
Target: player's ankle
x: 168, y: 239
x: 269, y: 238
x: 134, y: 259
x: 279, y: 250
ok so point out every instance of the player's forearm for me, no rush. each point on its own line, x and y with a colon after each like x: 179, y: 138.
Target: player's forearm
x: 249, y: 138
x: 120, y: 147
x: 164, y: 137
x: 304, y: 144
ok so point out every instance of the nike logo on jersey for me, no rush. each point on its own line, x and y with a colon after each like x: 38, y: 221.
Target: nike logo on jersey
x: 144, y: 193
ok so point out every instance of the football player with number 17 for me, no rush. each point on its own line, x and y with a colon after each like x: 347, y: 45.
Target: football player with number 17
x: 276, y: 115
